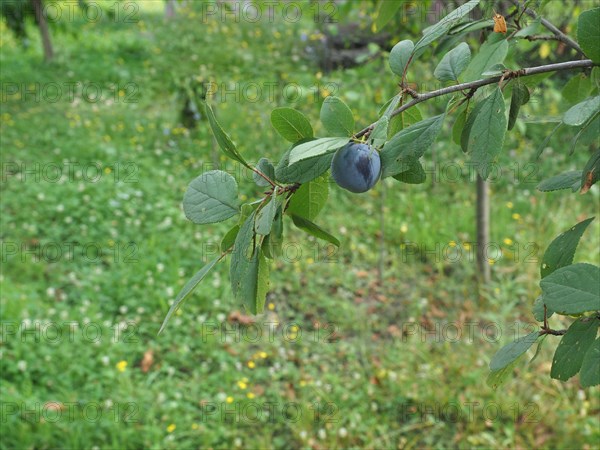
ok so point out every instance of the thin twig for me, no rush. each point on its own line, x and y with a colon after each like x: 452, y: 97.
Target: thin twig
x: 552, y: 332
x: 559, y: 34
x: 258, y: 172
x: 540, y: 37
x: 474, y: 85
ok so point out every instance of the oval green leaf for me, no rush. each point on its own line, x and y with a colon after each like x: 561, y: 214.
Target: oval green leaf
x: 337, y: 117
x: 573, y: 289
x: 400, y: 56
x: 291, y: 124
x: 211, y: 197
x: 572, y: 348
x: 561, y: 251
x: 580, y: 113
x: 314, y: 148
x: 187, y: 290
x: 588, y: 33
x: 453, y: 63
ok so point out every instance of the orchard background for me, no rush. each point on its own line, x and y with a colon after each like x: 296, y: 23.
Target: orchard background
x: 384, y: 342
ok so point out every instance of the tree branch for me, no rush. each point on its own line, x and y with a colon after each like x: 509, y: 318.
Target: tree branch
x: 559, y: 34
x: 540, y: 37
x: 552, y: 332
x: 474, y: 85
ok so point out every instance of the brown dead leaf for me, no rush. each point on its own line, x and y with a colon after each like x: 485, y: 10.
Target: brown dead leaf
x: 238, y: 317
x: 394, y: 331
x: 54, y: 406
x: 589, y: 180
x: 147, y: 360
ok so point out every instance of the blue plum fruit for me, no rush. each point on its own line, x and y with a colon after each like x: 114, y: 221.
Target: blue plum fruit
x: 356, y: 167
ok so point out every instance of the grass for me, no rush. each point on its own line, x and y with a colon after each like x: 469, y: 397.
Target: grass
x: 342, y: 358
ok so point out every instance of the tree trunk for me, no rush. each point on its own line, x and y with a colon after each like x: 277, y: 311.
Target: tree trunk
x: 43, y: 26
x: 382, y: 249
x: 483, y: 230
x: 170, y: 9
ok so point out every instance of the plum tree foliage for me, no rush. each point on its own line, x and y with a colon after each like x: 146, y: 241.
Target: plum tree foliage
x: 297, y: 186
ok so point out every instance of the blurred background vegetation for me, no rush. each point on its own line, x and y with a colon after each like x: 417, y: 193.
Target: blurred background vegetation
x: 363, y: 340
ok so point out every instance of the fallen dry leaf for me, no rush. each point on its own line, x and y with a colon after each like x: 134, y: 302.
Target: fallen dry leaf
x: 147, y: 360
x: 238, y: 317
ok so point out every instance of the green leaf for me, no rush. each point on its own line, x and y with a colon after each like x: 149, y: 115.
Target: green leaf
x: 453, y: 63
x: 494, y: 71
x: 538, y: 348
x: 409, y: 144
x: 561, y: 251
x: 389, y: 106
x: 520, y: 96
x: 588, y: 33
x: 229, y: 238
x: 314, y: 230
x: 272, y: 244
x: 443, y: 26
x: 577, y: 88
x: 486, y: 128
x: 400, y: 55
x: 498, y: 378
x: 530, y: 29
x: 379, y: 134
x: 572, y: 348
x: 580, y: 113
x: 492, y: 52
x: 573, y: 289
x: 588, y: 133
x: 265, y: 167
x: 187, y: 290
x: 470, y: 26
x: 211, y: 197
x: 403, y: 120
x: 415, y: 174
x: 486, y: 132
x: 240, y: 261
x: 385, y: 12
x: 459, y: 123
x: 511, y: 352
x: 310, y: 198
x: 317, y: 147
x: 337, y: 117
x: 259, y: 287
x: 590, y: 367
x: 246, y: 210
x: 544, y: 144
x: 291, y: 124
x: 254, y: 282
x: 564, y: 180
x: 266, y: 215
x: 223, y: 139
x: 303, y: 171
x: 591, y: 172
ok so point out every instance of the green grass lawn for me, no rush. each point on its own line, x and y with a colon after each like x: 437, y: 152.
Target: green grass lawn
x: 384, y: 343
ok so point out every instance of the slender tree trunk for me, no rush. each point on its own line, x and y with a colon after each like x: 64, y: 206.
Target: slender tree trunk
x: 170, y: 9
x: 483, y: 230
x: 381, y: 265
x: 44, y: 31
